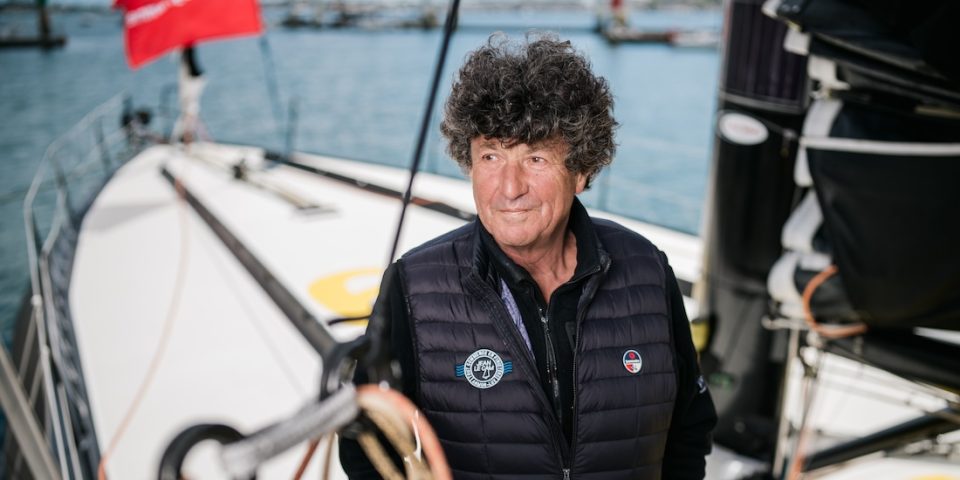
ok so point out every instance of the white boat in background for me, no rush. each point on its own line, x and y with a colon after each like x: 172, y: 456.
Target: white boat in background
x: 695, y: 39
x: 189, y: 283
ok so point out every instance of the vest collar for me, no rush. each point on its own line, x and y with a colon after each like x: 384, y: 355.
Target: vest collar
x: 491, y: 262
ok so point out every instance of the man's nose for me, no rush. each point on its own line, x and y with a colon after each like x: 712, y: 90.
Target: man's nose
x: 512, y: 181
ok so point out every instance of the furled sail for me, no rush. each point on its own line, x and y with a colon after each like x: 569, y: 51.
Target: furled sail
x: 833, y: 199
x: 879, y: 159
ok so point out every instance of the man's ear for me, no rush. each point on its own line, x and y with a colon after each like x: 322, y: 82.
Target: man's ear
x: 581, y: 182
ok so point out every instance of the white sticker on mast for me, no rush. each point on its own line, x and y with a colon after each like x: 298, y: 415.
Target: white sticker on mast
x: 742, y: 129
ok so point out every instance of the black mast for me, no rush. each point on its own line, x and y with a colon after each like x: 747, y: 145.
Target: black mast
x: 761, y: 105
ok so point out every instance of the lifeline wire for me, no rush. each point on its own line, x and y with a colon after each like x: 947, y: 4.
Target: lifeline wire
x: 448, y: 28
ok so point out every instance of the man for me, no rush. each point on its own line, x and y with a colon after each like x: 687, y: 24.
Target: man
x: 541, y: 343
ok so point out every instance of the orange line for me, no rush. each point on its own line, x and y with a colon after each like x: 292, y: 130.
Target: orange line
x: 824, y: 331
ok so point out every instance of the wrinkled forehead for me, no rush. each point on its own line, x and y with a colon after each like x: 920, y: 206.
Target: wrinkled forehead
x: 556, y: 144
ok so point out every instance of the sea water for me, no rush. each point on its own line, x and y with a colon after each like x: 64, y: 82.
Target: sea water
x: 359, y: 94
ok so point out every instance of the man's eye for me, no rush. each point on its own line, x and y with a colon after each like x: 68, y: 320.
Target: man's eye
x: 538, y: 160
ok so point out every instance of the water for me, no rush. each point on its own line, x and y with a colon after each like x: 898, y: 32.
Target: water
x: 360, y: 95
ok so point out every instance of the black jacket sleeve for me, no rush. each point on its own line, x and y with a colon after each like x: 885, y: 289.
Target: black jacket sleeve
x: 689, y: 439
x: 396, y: 329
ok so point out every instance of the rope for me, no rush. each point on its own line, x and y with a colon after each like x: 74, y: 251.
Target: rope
x: 378, y: 456
x: 405, y: 429
x: 796, y: 465
x: 311, y: 449
x: 808, y: 395
x: 822, y: 330
x: 158, y: 354
x: 328, y: 456
x: 396, y: 416
x: 391, y: 424
x: 795, y: 471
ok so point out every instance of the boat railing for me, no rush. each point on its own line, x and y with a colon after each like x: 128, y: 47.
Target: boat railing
x: 48, y: 398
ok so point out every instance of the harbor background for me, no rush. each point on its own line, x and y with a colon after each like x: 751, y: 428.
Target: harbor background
x: 359, y: 93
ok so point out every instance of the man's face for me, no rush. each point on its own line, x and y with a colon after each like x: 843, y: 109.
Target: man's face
x: 523, y: 192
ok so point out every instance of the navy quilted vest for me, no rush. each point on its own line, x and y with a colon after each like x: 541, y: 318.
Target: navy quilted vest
x: 508, y: 430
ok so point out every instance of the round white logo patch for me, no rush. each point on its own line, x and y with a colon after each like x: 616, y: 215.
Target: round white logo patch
x: 632, y: 361
x: 483, y: 368
x: 742, y: 129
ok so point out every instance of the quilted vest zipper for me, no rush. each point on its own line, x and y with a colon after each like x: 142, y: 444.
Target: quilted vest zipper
x: 509, y: 331
x: 590, y: 289
x: 552, y: 366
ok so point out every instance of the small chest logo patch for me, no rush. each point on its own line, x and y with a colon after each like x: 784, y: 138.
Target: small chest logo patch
x: 484, y: 368
x: 632, y: 361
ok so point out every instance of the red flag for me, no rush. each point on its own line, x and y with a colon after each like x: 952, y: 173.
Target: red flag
x: 154, y: 27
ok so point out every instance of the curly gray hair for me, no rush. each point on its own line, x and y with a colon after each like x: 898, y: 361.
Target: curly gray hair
x: 531, y: 93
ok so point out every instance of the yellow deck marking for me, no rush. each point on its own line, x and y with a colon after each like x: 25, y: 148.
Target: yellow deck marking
x: 349, y: 293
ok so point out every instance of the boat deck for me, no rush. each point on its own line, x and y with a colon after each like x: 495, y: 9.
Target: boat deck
x: 232, y: 356
x: 150, y: 274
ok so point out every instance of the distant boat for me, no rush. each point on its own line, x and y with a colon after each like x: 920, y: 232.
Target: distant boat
x: 45, y: 38
x: 626, y: 34
x: 364, y: 16
x: 676, y: 38
x: 14, y: 41
x: 695, y: 38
